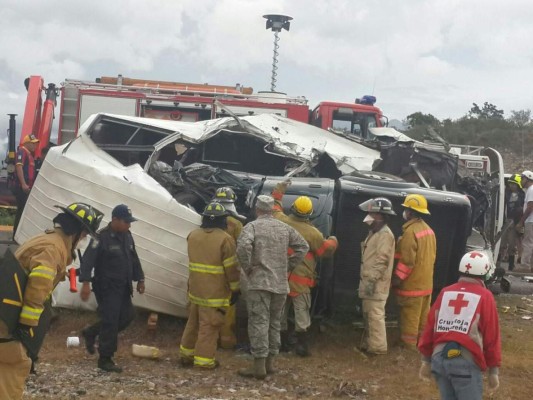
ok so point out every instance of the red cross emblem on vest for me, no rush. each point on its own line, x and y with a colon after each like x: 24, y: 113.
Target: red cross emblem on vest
x: 458, y: 303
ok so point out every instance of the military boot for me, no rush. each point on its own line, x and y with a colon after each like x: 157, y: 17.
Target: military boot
x: 89, y: 340
x: 257, y: 370
x: 302, y: 347
x: 285, y: 345
x: 269, y: 365
x: 511, y: 263
x: 107, y: 364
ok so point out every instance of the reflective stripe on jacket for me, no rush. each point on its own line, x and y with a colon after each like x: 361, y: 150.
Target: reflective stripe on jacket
x: 417, y: 248
x: 213, y: 272
x: 45, y: 258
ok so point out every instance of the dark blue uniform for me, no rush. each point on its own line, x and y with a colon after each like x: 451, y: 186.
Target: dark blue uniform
x: 116, y: 264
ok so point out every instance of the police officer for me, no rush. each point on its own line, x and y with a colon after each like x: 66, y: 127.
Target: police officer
x: 27, y: 281
x: 116, y: 264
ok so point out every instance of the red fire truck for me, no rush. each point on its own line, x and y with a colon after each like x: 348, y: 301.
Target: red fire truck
x: 180, y: 102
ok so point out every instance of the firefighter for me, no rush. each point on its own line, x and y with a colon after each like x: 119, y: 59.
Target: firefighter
x: 25, y: 174
x: 37, y: 267
x: 302, y: 278
x: 226, y: 196
x: 413, y: 276
x: 262, y: 251
x: 462, y: 334
x: 116, y: 264
x: 376, y: 270
x: 514, y: 202
x: 213, y: 287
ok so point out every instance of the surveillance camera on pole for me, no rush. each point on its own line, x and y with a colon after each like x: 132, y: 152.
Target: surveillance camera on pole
x: 276, y: 23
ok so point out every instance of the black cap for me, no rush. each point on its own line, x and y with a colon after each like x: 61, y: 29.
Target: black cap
x: 123, y: 212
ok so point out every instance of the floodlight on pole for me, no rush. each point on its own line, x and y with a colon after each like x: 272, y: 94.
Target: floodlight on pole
x: 276, y: 23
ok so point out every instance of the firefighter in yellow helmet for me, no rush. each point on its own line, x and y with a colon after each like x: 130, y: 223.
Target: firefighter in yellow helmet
x: 413, y: 276
x: 227, y: 197
x: 213, y: 287
x: 28, y: 279
x: 302, y: 278
x: 514, y: 204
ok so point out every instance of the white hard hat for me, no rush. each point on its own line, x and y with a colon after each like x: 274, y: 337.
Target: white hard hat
x: 475, y: 263
x: 528, y: 175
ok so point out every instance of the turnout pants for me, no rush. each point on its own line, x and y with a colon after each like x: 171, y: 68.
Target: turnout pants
x: 264, y: 322
x: 14, y: 369
x: 116, y: 313
x: 375, y: 335
x: 413, y: 315
x: 301, y: 305
x: 199, y: 339
x: 228, y: 339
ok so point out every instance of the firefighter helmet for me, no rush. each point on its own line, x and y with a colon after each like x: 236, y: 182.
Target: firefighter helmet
x: 87, y: 215
x: 225, y: 195
x: 416, y: 202
x: 516, y: 179
x: 378, y: 205
x: 215, y: 210
x: 475, y: 263
x: 528, y: 175
x: 302, y: 207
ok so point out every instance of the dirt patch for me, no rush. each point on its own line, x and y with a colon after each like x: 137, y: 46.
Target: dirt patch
x: 335, y: 370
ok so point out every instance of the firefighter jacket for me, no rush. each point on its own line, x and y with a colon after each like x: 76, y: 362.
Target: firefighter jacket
x: 44, y: 258
x: 234, y: 227
x: 465, y: 313
x: 112, y: 257
x: 416, y: 250
x: 377, y: 255
x: 213, y: 272
x: 303, y: 277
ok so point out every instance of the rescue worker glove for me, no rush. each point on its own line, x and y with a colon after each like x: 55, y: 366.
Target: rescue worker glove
x: 425, y: 371
x: 396, y: 281
x: 23, y: 335
x: 234, y: 297
x: 285, y: 184
x: 494, y: 382
x: 370, y: 288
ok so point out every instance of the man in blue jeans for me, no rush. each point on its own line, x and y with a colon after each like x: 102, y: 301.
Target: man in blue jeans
x: 462, y: 334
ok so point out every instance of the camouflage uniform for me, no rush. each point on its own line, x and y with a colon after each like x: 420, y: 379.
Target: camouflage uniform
x: 262, y: 253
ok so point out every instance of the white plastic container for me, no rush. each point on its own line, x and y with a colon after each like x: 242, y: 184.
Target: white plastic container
x: 140, y: 350
x: 73, y: 341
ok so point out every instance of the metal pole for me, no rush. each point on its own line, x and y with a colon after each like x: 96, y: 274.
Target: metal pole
x: 274, y: 62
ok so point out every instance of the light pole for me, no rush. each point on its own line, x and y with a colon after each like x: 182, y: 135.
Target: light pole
x: 276, y: 22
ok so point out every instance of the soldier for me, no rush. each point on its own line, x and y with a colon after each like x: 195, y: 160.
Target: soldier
x: 213, y: 287
x: 413, y: 276
x: 37, y: 267
x: 462, y: 335
x: 226, y: 196
x: 116, y: 264
x: 262, y: 252
x: 302, y: 278
x: 376, y: 271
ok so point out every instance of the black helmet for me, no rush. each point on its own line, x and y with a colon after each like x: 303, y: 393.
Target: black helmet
x: 89, y: 216
x: 225, y: 195
x: 215, y: 210
x: 378, y: 205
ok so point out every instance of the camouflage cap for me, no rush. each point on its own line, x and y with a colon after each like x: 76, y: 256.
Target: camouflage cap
x: 264, y: 203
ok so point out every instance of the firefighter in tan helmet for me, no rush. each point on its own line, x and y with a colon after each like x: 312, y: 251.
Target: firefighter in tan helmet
x: 377, y: 260
x: 413, y: 276
x: 303, y: 277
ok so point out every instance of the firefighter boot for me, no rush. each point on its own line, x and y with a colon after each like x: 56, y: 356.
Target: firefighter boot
x: 511, y: 263
x: 108, y: 365
x: 269, y: 365
x: 90, y: 340
x: 257, y: 370
x: 302, y: 347
x: 285, y: 345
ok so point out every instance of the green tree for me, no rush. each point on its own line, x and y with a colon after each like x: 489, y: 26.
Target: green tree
x: 520, y: 118
x: 420, y: 119
x: 488, y: 111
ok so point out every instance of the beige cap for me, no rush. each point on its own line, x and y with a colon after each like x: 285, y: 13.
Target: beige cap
x: 264, y: 203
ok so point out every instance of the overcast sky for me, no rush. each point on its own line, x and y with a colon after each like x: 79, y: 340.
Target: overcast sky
x: 433, y: 56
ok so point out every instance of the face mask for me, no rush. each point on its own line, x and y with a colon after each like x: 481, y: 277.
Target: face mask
x: 404, y: 215
x: 368, y: 220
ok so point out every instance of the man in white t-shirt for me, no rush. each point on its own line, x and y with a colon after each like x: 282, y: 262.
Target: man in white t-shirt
x: 526, y: 222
